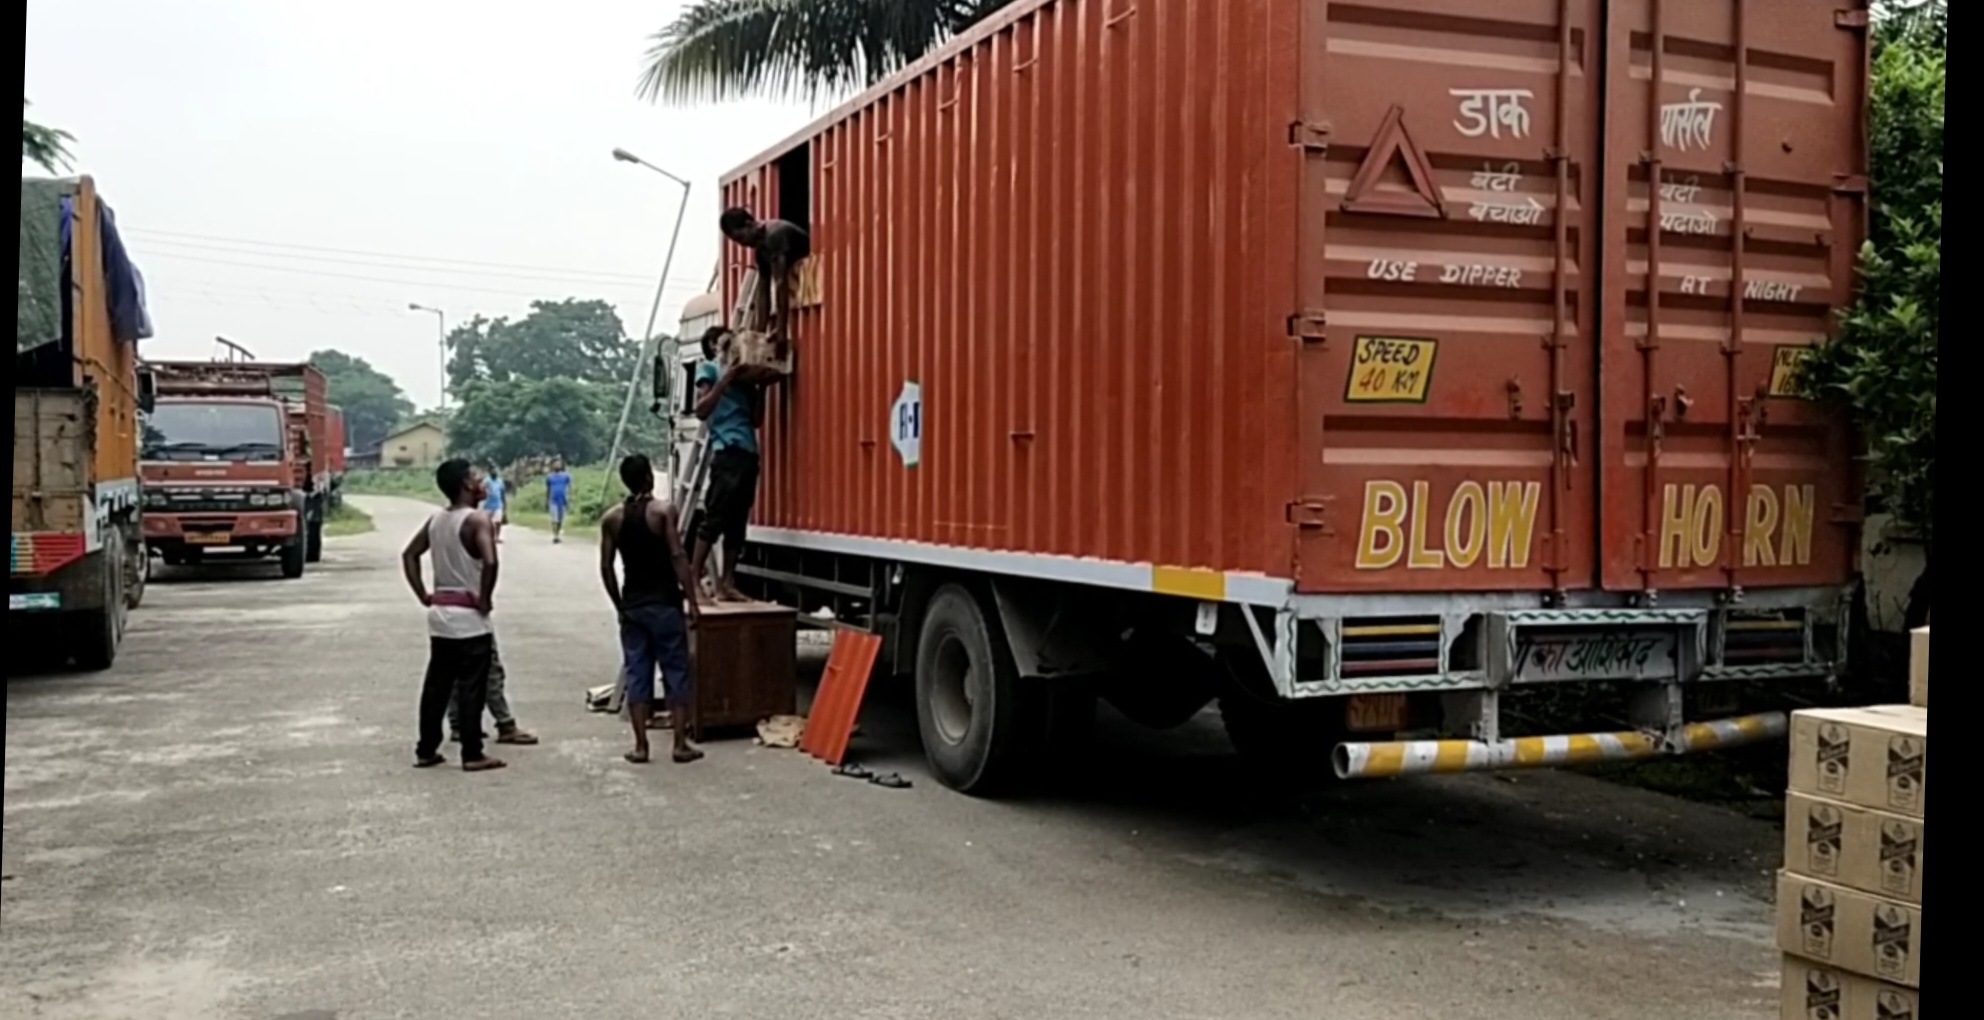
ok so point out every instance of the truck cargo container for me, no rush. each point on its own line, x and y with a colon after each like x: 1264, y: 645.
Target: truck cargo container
x: 338, y: 451
x: 77, y: 551
x: 237, y: 460
x: 1360, y: 365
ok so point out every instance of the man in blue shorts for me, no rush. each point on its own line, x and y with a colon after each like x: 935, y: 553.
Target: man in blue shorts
x: 558, y: 495
x: 651, y: 595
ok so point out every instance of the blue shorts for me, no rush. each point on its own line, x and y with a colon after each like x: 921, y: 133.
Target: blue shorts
x: 655, y: 638
x: 557, y: 513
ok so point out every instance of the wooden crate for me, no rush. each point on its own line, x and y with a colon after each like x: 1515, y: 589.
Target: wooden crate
x: 746, y: 666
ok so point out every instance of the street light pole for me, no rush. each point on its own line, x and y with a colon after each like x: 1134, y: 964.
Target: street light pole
x: 654, y: 312
x: 441, y: 345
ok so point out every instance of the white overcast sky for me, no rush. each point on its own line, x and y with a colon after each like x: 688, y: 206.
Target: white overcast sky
x: 292, y: 175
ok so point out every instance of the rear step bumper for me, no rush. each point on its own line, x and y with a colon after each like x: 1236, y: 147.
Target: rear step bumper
x: 1387, y: 759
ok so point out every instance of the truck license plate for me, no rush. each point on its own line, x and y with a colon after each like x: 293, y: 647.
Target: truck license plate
x: 1599, y: 655
x: 1376, y: 713
x: 208, y: 537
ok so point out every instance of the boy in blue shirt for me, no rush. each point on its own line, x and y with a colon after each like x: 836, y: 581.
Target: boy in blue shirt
x: 493, y: 503
x: 558, y: 494
x: 733, y: 406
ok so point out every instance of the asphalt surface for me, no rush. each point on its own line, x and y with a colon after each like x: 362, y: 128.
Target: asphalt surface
x: 225, y: 826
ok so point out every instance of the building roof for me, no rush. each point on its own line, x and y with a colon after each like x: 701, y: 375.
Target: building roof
x: 413, y: 426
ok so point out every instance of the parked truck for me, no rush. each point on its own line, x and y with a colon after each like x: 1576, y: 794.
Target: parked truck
x: 77, y: 554
x: 237, y: 463
x: 339, y: 450
x: 1371, y: 369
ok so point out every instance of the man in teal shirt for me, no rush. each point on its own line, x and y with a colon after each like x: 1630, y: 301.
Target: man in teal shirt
x: 733, y: 407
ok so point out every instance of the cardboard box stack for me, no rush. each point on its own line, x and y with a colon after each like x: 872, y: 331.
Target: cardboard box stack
x: 1849, y: 900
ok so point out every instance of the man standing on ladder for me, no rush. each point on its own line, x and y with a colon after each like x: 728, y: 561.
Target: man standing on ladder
x: 731, y: 407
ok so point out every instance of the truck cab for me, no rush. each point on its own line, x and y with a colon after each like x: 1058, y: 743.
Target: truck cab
x: 230, y: 465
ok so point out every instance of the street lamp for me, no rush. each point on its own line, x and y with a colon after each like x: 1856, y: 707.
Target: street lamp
x: 654, y: 312
x: 441, y: 344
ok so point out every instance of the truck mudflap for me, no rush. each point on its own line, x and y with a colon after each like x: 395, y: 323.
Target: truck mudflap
x: 42, y: 553
x: 1387, y: 759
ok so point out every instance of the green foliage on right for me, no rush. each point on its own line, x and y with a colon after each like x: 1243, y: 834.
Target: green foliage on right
x: 1882, y: 368
x: 503, y: 422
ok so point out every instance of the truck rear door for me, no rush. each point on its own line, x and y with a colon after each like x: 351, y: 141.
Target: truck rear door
x: 1447, y: 302
x: 1734, y: 209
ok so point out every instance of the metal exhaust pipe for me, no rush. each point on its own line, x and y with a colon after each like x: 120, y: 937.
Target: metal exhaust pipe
x: 1447, y: 757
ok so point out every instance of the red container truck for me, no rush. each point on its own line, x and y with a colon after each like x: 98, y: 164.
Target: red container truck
x: 237, y: 460
x: 1361, y: 366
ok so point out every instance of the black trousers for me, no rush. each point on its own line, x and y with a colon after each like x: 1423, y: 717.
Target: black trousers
x: 457, y: 670
x: 732, y: 492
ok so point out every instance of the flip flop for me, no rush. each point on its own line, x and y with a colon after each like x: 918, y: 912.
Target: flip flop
x: 853, y: 770
x: 890, y: 781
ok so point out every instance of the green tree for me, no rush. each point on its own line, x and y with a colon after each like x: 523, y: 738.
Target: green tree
x: 499, y: 422
x: 575, y: 339
x: 373, y: 403
x: 730, y: 49
x: 1882, y: 368
x: 45, y: 147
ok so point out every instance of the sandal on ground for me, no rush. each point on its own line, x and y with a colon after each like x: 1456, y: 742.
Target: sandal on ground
x: 890, y: 781
x: 853, y: 770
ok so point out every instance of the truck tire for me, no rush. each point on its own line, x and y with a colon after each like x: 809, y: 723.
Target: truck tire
x: 971, y: 707
x: 99, y: 631
x: 294, y: 555
x: 314, y: 541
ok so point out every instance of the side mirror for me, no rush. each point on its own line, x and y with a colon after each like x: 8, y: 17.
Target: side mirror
x: 147, y: 391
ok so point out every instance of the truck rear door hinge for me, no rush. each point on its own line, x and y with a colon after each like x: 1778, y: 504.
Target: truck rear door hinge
x: 1311, y: 512
x: 1310, y: 137
x: 1857, y: 18
x: 1849, y: 184
x: 1309, y: 327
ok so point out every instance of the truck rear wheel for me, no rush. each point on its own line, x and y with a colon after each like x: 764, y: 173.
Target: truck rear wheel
x: 971, y: 705
x: 98, y: 631
x: 294, y: 555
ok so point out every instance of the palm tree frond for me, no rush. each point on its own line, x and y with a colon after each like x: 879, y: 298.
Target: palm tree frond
x: 44, y: 146
x: 719, y: 50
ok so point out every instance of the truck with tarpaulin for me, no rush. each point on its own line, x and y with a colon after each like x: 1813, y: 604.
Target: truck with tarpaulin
x: 237, y: 463
x: 77, y: 553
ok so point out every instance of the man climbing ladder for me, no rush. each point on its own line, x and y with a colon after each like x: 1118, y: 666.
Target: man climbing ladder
x: 778, y: 247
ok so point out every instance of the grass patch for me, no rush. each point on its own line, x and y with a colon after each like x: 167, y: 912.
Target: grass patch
x: 594, y: 488
x: 346, y: 520
x: 417, y: 483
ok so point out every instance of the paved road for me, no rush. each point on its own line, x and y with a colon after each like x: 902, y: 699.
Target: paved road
x: 226, y: 827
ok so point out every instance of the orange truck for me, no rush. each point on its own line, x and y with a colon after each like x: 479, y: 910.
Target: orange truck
x: 237, y: 463
x: 77, y: 557
x: 339, y: 445
x: 1416, y: 378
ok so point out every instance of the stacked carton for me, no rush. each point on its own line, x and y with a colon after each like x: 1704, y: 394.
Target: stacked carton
x: 1849, y: 900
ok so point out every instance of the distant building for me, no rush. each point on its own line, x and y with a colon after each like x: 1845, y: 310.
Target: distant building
x: 420, y: 445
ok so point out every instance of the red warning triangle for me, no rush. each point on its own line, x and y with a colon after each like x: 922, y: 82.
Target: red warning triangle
x: 1394, y: 146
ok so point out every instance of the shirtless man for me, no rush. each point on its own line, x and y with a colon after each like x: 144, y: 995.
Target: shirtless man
x: 778, y: 247
x: 461, y: 541
x: 651, y: 596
